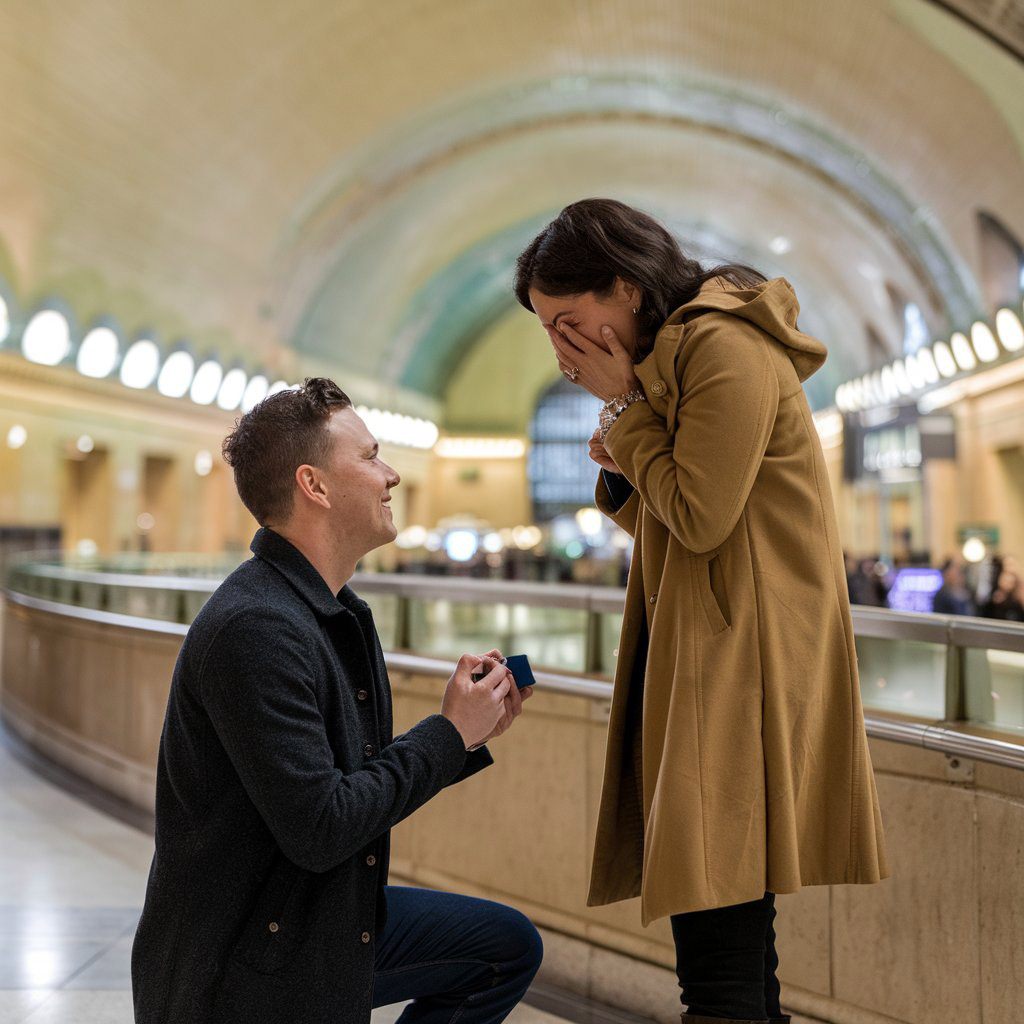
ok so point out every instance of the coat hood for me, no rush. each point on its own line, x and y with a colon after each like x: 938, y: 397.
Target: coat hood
x: 772, y: 306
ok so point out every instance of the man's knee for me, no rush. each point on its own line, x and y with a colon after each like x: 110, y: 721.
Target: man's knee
x: 525, y: 944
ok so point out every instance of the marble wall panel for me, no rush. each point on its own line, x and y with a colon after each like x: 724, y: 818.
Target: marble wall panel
x: 899, y: 946
x: 1001, y: 907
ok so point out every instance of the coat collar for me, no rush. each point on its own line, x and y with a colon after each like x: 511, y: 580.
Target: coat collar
x: 293, y: 565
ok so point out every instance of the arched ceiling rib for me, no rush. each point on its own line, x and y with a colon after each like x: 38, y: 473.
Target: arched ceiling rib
x: 342, y: 186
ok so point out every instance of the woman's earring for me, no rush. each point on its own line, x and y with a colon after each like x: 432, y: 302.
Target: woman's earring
x: 636, y: 309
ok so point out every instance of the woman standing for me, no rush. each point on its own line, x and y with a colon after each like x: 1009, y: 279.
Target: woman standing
x: 737, y: 764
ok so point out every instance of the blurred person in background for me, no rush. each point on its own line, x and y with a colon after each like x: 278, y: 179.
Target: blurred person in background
x: 737, y: 763
x: 278, y: 778
x: 953, y: 597
x: 1006, y: 601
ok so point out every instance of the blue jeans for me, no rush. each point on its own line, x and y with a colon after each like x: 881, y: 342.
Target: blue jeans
x: 458, y: 958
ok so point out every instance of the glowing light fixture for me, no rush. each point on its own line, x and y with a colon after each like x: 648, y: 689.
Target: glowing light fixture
x: 480, y: 448
x: 944, y: 359
x: 780, y: 245
x: 278, y: 386
x: 984, y: 342
x: 526, y: 537
x: 206, y: 382
x: 97, y: 355
x: 176, y: 374
x: 140, y: 364
x: 962, y: 351
x: 926, y: 364
x: 5, y: 320
x: 461, y: 545
x: 255, y: 392
x: 589, y: 521
x: 492, y: 543
x: 412, y: 537
x: 892, y: 392
x: 85, y: 444
x: 899, y: 373
x: 398, y: 429
x: 1010, y: 330
x: 914, y: 373
x: 974, y: 549
x: 232, y: 388
x: 47, y: 338
x: 203, y: 463
x: 16, y: 436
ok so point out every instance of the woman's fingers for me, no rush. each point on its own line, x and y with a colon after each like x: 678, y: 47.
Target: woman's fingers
x: 579, y: 342
x: 570, y: 340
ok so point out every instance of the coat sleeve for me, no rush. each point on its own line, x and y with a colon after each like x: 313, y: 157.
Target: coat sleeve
x: 261, y: 701
x: 622, y: 513
x: 697, y: 477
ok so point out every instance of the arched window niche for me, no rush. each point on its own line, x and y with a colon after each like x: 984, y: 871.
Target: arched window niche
x: 560, y: 470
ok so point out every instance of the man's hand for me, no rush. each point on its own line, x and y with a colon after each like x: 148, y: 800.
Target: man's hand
x: 600, y: 455
x: 477, y: 710
x: 513, y: 700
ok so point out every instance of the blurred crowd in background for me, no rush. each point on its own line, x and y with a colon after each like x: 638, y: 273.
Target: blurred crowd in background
x: 992, y: 588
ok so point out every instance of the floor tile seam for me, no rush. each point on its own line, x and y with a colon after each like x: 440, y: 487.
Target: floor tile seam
x: 84, y: 967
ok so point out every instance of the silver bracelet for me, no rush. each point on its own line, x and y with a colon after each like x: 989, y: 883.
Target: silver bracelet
x: 615, y: 407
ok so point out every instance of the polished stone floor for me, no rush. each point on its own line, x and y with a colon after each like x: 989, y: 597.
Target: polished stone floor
x: 71, y: 884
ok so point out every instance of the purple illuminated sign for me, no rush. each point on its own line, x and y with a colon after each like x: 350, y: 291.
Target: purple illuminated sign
x: 912, y: 590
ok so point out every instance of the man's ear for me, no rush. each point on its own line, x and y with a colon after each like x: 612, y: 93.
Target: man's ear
x: 312, y: 486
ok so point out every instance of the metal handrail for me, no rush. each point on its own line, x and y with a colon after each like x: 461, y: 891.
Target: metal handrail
x: 874, y: 622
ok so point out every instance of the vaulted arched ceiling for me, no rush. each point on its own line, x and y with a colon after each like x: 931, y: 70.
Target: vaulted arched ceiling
x: 342, y: 187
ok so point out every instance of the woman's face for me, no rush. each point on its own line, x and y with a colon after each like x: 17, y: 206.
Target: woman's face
x: 1008, y: 582
x: 587, y: 313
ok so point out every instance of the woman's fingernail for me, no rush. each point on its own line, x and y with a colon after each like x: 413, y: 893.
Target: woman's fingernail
x: 606, y: 331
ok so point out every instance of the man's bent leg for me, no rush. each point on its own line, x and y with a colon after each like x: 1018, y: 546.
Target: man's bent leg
x: 459, y: 958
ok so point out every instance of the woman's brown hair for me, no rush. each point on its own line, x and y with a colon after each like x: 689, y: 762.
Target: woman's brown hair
x: 594, y: 241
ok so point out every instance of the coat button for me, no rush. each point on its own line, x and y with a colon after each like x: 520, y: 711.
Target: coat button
x: 654, y: 598
x: 371, y: 860
x: 658, y: 387
x: 368, y: 750
x: 274, y: 927
x: 362, y: 695
x: 365, y: 938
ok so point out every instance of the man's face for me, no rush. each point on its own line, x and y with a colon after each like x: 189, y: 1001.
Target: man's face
x: 359, y: 483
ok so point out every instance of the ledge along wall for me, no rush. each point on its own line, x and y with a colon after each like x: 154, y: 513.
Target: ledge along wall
x: 943, y: 939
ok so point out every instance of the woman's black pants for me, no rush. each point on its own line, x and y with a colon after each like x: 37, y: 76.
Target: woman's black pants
x: 726, y: 961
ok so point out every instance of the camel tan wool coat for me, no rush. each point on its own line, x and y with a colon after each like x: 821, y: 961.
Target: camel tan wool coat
x: 755, y: 769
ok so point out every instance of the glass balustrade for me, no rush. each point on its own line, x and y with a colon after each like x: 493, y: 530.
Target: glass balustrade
x: 934, y: 668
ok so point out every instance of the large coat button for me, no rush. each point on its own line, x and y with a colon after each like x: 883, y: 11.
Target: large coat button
x: 654, y: 598
x: 274, y: 927
x: 362, y: 695
x: 371, y: 860
x: 364, y: 938
x: 368, y: 750
x: 658, y: 387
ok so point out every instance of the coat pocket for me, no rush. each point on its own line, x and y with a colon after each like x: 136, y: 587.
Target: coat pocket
x: 713, y: 595
x: 272, y: 929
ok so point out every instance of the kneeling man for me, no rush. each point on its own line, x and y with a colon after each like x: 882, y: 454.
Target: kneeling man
x: 279, y: 779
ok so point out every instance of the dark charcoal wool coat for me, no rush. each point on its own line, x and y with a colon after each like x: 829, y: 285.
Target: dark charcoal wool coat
x: 278, y: 780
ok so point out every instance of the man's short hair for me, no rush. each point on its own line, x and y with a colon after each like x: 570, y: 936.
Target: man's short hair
x: 271, y: 441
